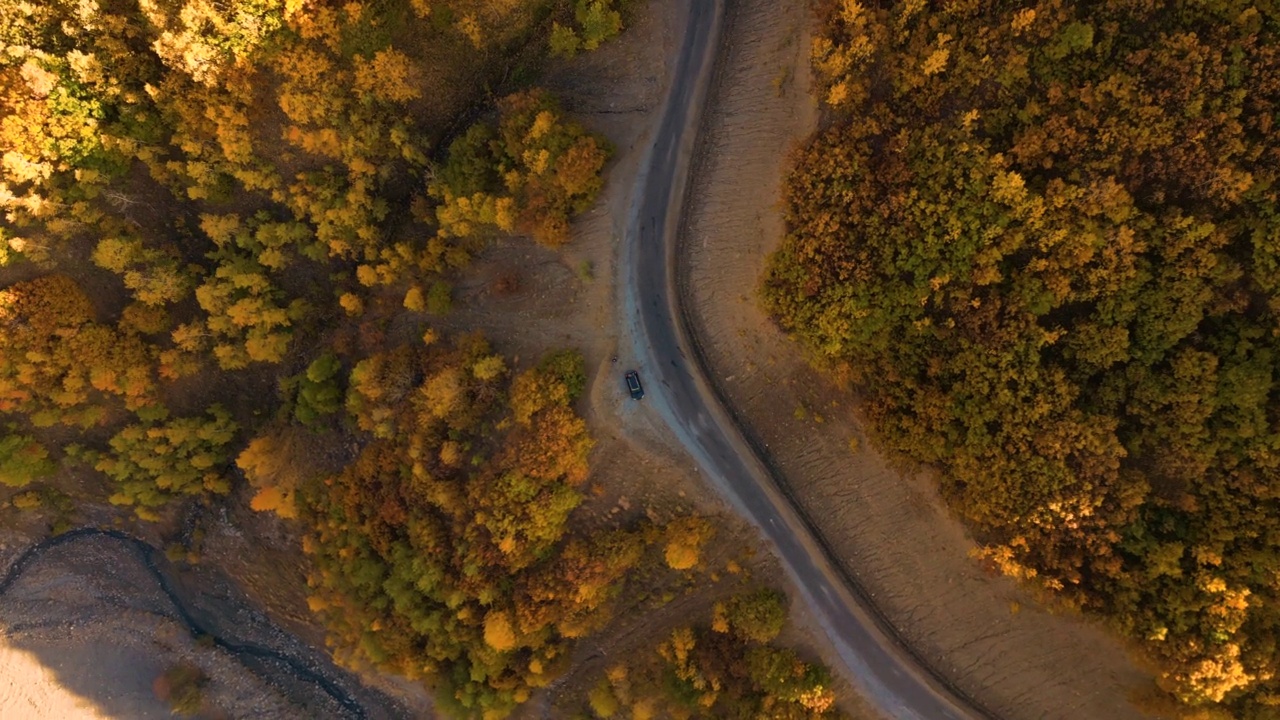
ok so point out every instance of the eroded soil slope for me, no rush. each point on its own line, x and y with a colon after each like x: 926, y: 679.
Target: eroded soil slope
x: 88, y: 622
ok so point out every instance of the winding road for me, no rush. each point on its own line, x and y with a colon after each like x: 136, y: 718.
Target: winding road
x: 889, y: 674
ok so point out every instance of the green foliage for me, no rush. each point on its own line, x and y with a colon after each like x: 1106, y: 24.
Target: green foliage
x: 22, y: 460
x: 1046, y: 252
x: 154, y: 463
x: 316, y: 392
x: 461, y: 571
x: 757, y: 616
x: 781, y: 673
x: 531, y: 173
x: 564, y: 42
x: 439, y: 298
x: 705, y: 674
x: 596, y: 21
x: 472, y: 166
x: 567, y: 367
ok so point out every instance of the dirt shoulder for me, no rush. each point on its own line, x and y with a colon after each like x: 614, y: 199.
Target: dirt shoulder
x: 889, y: 529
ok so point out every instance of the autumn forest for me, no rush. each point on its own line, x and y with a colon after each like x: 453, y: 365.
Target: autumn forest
x: 203, y: 196
x: 1038, y: 243
x: 1040, y: 240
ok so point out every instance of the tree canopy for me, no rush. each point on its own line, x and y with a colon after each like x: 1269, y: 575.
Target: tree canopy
x: 1042, y: 240
x: 204, y: 201
x: 239, y: 175
x: 443, y: 551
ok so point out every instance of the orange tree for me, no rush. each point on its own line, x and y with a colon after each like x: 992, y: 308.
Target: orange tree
x: 443, y: 551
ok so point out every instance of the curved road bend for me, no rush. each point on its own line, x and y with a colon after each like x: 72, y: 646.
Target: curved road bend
x: 888, y: 675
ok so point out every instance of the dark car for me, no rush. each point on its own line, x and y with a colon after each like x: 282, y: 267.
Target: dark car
x: 634, y: 386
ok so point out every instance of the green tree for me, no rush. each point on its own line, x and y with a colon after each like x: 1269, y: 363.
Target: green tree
x: 758, y: 615
x: 596, y: 21
x: 532, y: 173
x: 564, y: 42
x: 157, y: 462
x: 316, y: 392
x: 23, y: 459
x: 599, y: 22
x: 462, y: 571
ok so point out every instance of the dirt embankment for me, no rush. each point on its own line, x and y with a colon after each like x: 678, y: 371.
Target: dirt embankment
x: 889, y: 529
x: 90, y: 619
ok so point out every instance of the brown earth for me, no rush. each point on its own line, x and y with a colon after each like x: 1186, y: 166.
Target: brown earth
x: 888, y: 528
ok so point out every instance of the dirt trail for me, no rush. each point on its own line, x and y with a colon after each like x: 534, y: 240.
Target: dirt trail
x: 890, y: 531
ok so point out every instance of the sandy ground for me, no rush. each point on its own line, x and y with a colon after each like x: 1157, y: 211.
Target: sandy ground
x: 84, y: 633
x: 29, y: 689
x: 889, y: 529
x: 85, y: 630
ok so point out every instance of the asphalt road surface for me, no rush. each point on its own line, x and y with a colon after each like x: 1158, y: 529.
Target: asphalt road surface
x: 889, y: 676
